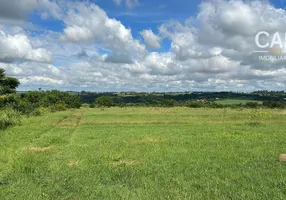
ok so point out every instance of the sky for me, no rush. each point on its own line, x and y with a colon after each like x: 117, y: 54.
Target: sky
x: 142, y: 45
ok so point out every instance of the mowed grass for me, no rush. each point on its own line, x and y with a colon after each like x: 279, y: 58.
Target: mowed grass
x: 145, y: 153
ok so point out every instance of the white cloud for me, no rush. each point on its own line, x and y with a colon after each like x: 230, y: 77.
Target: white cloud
x: 76, y: 33
x: 40, y: 81
x: 152, y: 40
x: 49, y: 8
x: 219, y: 26
x: 13, y: 47
x: 30, y: 69
x: 210, y: 51
x: 162, y: 64
x: 90, y: 23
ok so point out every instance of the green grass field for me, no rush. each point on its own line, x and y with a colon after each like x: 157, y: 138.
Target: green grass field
x: 145, y: 153
x: 235, y: 101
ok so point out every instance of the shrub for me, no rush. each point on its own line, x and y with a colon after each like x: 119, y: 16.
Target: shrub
x: 59, y: 107
x: 193, y: 104
x: 85, y: 105
x: 259, y: 115
x: 9, y: 117
x: 40, y: 111
x: 92, y: 105
x: 275, y: 104
x: 168, y: 103
x: 255, y: 117
x: 252, y: 105
x: 104, y: 101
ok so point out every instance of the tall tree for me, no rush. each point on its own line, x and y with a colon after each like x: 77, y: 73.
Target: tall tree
x: 8, y: 85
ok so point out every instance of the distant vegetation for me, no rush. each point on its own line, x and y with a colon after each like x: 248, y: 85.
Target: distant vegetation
x: 131, y: 150
x: 260, y: 99
x: 14, y: 105
x: 236, y: 101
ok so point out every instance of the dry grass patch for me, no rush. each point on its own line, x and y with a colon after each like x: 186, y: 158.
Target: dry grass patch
x: 39, y: 149
x: 125, y: 163
x: 73, y: 163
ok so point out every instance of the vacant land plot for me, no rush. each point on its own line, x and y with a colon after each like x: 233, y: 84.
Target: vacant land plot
x: 145, y: 153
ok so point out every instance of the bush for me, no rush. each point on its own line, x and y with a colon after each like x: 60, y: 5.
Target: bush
x: 255, y: 117
x: 25, y: 108
x: 40, y: 111
x: 85, y: 105
x: 274, y: 104
x: 9, y: 117
x: 59, y: 107
x: 92, y: 105
x: 104, y: 101
x: 252, y: 105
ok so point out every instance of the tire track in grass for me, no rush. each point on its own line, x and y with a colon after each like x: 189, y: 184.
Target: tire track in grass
x: 63, y: 151
x: 77, y: 125
x: 39, y: 136
x: 22, y: 149
x: 51, y: 127
x: 35, y: 137
x: 61, y: 132
x: 63, y: 129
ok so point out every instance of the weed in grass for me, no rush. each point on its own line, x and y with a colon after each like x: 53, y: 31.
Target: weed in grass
x: 257, y: 116
x: 115, y: 157
x: 73, y: 163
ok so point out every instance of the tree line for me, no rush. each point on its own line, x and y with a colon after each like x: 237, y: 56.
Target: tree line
x: 14, y: 105
x: 117, y: 101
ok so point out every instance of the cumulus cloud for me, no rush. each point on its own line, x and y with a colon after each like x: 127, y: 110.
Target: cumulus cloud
x: 29, y: 69
x: 152, y: 40
x: 82, y: 54
x: 222, y: 42
x: 40, y: 81
x: 20, y: 9
x: 162, y: 64
x: 18, y: 47
x: 89, y: 23
x: 49, y: 8
x: 119, y: 58
x: 15, y: 9
x: 212, y: 50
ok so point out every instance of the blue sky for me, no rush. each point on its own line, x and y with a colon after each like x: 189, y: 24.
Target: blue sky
x: 148, y: 15
x: 136, y: 45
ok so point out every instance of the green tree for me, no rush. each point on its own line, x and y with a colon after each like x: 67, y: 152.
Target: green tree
x: 104, y: 101
x: 8, y: 85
